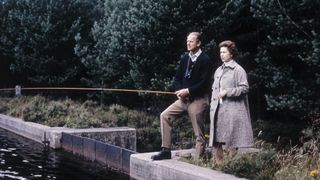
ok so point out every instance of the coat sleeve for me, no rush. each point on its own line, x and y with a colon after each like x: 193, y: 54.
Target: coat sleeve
x: 241, y: 83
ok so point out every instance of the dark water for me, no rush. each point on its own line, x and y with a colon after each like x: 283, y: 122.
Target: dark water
x: 21, y: 158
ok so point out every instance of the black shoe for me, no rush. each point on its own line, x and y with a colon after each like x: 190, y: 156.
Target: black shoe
x: 163, y: 154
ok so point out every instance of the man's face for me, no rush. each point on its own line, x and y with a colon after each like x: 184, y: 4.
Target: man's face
x: 192, y: 43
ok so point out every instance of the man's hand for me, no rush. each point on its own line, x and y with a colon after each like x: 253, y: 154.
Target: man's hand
x: 182, y: 93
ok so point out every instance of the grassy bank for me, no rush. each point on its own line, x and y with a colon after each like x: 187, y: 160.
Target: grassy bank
x: 295, y: 163
x: 91, y: 114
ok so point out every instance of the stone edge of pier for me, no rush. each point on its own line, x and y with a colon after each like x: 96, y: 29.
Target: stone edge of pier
x: 142, y: 167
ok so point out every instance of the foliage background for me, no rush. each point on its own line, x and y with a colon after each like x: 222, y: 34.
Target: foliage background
x: 136, y: 44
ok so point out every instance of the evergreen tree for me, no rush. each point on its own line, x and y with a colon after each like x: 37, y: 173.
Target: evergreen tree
x: 37, y: 37
x: 288, y: 55
x: 129, y: 44
x: 4, y: 61
x: 138, y: 43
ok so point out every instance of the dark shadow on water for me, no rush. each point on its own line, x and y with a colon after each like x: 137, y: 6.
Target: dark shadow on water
x: 21, y: 158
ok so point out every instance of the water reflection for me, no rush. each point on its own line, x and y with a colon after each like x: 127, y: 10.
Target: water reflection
x: 21, y: 158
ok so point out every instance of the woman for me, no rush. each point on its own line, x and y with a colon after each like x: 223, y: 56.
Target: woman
x: 230, y: 123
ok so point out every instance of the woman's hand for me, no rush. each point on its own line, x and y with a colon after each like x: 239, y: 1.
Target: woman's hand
x: 222, y: 94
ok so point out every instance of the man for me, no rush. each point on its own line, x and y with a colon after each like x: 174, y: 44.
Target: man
x: 192, y: 84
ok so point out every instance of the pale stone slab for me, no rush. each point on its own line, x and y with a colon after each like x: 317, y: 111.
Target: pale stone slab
x: 143, y: 168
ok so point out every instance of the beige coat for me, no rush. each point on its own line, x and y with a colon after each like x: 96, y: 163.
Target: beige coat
x: 230, y: 120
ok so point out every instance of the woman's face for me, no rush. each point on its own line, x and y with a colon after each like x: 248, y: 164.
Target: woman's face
x: 225, y: 55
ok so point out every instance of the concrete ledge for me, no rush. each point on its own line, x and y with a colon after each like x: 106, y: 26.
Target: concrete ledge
x: 30, y: 130
x: 143, y: 168
x: 120, y: 136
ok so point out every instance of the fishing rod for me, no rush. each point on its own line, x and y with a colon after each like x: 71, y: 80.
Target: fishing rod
x: 90, y: 89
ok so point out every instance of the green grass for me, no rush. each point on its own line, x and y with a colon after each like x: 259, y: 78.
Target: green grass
x: 295, y: 163
x: 90, y: 114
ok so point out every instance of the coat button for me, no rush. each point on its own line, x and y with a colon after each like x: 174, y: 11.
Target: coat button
x: 214, y: 99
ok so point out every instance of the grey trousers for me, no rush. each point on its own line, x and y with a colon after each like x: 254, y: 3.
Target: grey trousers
x: 196, y: 110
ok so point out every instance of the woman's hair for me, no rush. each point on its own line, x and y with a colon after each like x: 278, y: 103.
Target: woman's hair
x: 231, y: 46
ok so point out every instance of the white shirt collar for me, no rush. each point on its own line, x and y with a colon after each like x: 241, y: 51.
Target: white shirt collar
x: 195, y: 55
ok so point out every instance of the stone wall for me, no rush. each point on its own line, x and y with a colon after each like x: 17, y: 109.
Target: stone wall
x: 97, y: 151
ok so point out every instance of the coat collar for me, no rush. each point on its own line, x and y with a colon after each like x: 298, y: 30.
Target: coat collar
x: 231, y: 64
